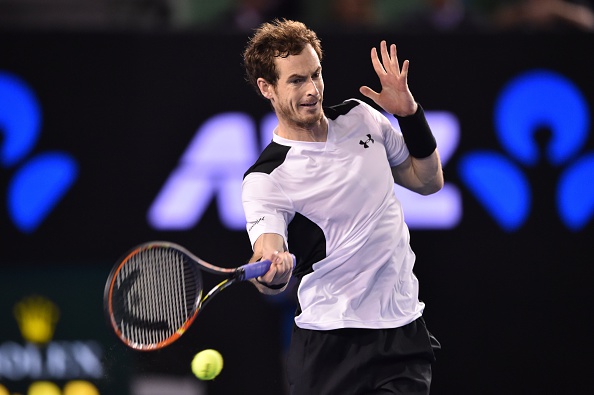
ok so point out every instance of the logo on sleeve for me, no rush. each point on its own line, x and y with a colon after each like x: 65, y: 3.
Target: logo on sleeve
x: 256, y: 223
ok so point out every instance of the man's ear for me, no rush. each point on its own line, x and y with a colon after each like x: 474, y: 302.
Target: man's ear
x: 265, y: 88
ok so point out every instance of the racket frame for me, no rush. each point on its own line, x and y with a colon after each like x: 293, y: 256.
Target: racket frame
x: 233, y: 275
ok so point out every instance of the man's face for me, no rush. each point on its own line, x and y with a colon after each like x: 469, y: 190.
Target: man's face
x: 297, y: 97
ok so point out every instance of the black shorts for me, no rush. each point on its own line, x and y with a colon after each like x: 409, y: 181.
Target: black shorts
x: 361, y: 361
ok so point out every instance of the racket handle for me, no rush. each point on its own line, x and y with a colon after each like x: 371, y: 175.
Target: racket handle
x: 257, y: 269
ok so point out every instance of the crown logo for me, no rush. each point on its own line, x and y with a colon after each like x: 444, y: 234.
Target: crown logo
x: 37, y: 317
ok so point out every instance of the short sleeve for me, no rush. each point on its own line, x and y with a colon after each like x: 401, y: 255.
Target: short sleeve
x: 396, y: 149
x: 267, y: 209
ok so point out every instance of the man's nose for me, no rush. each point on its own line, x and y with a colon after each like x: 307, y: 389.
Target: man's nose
x: 312, y: 88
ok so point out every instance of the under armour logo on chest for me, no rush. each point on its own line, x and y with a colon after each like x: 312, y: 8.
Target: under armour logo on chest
x: 366, y: 142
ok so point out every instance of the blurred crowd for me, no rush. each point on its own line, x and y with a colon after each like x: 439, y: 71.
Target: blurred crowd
x: 413, y: 16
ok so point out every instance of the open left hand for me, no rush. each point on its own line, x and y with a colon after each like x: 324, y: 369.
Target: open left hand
x: 395, y: 96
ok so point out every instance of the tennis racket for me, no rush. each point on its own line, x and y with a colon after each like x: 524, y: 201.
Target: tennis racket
x: 155, y: 292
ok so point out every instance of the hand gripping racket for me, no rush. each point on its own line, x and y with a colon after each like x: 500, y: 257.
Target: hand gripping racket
x: 153, y: 295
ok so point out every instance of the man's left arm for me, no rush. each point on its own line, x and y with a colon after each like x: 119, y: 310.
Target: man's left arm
x: 421, y: 175
x: 421, y: 172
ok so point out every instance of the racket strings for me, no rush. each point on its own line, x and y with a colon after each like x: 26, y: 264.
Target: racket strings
x: 160, y: 292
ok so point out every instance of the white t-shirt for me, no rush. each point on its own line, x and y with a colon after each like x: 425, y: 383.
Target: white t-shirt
x: 333, y: 203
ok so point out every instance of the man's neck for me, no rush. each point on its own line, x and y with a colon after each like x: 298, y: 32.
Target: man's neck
x: 314, y: 133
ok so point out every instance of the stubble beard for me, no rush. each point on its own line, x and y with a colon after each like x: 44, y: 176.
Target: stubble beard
x: 292, y: 118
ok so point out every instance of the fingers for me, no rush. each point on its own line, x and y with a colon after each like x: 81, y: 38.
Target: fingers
x: 389, y: 62
x: 377, y: 65
x: 280, y: 269
x: 405, y: 66
x: 368, y: 92
x: 385, y: 57
x: 283, y: 261
x: 394, y: 59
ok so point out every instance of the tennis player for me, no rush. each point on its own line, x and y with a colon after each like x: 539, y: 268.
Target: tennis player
x: 323, y: 190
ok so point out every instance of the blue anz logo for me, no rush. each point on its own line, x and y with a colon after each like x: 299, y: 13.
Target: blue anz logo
x: 40, y: 181
x: 535, y: 101
x: 211, y: 167
x: 226, y: 144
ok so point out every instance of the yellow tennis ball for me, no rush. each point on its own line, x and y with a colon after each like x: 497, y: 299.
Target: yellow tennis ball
x: 207, y: 364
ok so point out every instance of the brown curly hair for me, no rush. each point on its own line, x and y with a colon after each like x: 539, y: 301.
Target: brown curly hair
x: 279, y: 38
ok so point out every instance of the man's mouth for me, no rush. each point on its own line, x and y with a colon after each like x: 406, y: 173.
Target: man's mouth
x: 313, y: 104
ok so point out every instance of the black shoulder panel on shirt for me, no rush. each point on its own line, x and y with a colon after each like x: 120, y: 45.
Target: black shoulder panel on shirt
x: 271, y: 158
x: 307, y: 242
x: 343, y: 108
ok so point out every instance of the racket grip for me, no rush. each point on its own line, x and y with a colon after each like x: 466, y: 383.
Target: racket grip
x: 257, y: 269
